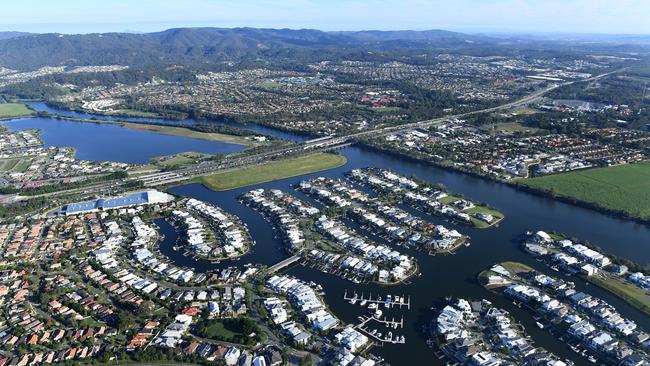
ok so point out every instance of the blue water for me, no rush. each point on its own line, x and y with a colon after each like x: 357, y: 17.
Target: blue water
x: 99, y: 142
x: 289, y: 136
x: 443, y: 276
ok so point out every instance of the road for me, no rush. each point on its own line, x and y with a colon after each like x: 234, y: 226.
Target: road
x: 241, y: 159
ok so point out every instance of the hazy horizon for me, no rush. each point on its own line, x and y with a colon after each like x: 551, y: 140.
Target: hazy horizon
x: 624, y: 17
x: 471, y: 31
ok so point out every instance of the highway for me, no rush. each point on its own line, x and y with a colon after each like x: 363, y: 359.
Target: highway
x: 241, y: 159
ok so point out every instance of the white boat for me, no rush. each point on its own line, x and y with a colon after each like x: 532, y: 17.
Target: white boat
x: 592, y: 359
x: 377, y: 313
x: 372, y: 306
x: 363, y: 302
x: 540, y: 325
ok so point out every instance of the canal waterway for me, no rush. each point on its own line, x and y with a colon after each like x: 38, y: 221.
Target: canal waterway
x: 440, y: 276
x: 450, y: 275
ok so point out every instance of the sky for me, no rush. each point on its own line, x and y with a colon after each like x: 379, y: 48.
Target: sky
x: 473, y: 16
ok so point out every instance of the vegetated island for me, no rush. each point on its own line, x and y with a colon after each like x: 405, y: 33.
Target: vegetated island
x: 202, y: 132
x: 621, y: 189
x: 186, y: 132
x: 271, y: 171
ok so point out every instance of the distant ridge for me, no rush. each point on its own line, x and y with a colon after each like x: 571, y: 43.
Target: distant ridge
x: 29, y: 51
x: 7, y: 35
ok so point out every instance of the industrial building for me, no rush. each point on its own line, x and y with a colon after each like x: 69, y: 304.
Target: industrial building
x: 133, y: 199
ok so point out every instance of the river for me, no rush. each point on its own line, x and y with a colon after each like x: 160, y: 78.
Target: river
x: 289, y: 136
x: 453, y: 275
x: 441, y: 276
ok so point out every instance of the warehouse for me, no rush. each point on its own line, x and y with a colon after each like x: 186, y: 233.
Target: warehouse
x: 133, y: 199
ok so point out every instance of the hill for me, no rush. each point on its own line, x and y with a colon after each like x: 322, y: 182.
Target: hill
x: 8, y: 35
x: 180, y: 45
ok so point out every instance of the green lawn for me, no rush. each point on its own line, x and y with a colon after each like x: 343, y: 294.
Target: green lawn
x: 480, y: 224
x: 272, y: 171
x: 22, y: 166
x: 516, y: 267
x: 7, y: 164
x: 624, y: 188
x: 15, y: 165
x: 634, y: 295
x: 9, y: 110
x: 180, y: 159
x: 512, y: 127
x: 217, y: 330
x: 236, y: 330
x: 498, y: 216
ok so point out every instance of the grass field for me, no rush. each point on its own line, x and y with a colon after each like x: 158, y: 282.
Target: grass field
x: 272, y: 171
x: 9, y: 110
x: 7, y: 164
x: 179, y: 160
x: 623, y: 188
x: 15, y: 165
x: 217, y: 330
x: 136, y: 113
x: 516, y: 267
x: 235, y: 330
x: 634, y: 295
x: 512, y: 127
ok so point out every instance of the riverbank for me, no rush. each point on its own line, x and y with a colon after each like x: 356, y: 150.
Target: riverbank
x: 268, y: 172
x: 634, y: 295
x: 606, y: 278
x: 621, y: 188
x: 518, y: 184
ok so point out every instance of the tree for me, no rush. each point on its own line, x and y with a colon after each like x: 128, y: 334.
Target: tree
x: 125, y: 320
x: 306, y: 361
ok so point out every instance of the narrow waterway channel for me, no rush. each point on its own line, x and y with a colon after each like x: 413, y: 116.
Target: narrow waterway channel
x: 441, y: 276
x: 452, y: 275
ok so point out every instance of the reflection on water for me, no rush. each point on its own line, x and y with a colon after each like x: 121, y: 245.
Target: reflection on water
x: 289, y: 136
x: 101, y: 141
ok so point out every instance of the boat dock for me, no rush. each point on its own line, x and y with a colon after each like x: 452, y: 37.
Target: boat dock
x: 377, y: 335
x: 389, y: 302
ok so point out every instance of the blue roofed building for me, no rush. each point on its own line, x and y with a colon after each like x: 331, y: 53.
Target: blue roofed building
x: 133, y: 199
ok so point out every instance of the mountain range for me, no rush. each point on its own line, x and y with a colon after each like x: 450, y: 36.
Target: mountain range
x: 25, y: 51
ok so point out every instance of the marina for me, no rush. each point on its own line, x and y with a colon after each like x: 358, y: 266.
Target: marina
x: 445, y: 275
x: 382, y: 336
x: 389, y: 302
